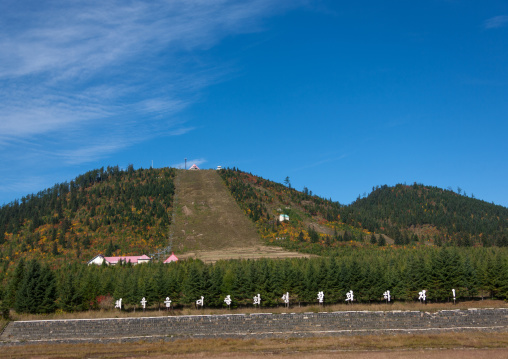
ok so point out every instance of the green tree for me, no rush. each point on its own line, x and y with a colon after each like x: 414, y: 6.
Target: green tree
x: 69, y: 296
x: 109, y: 249
x: 287, y: 182
x: 37, y: 292
x: 48, y: 282
x: 192, y: 286
x: 15, y: 283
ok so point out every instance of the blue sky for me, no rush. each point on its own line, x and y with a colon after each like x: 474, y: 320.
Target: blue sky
x: 339, y: 97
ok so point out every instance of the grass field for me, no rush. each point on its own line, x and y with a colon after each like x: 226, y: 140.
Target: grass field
x: 208, y: 221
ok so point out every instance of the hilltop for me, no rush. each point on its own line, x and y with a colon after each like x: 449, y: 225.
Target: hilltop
x: 429, y: 214
x: 102, y: 211
x: 117, y: 212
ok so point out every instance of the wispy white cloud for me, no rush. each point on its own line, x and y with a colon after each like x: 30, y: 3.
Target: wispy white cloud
x: 322, y: 162
x: 70, y: 70
x: 496, y: 22
x: 181, y: 131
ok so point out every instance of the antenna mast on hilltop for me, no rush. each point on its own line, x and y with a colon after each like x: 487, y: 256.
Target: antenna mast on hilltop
x: 186, y: 163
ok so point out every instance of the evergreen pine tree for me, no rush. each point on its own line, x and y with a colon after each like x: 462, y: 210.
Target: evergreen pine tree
x: 48, y: 282
x: 37, y: 292
x: 192, y: 283
x: 109, y: 249
x: 69, y: 297
x: 311, y: 285
x: 215, y: 291
x: 54, y: 249
x: 15, y: 283
x: 469, y: 279
x: 240, y: 284
x: 333, y: 280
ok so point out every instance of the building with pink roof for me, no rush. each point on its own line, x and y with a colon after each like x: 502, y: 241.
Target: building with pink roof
x: 171, y: 258
x: 99, y: 259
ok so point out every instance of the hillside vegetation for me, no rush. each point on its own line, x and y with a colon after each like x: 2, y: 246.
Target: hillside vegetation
x: 421, y: 212
x: 401, y: 215
x: 117, y: 212
x: 314, y: 223
x: 105, y: 211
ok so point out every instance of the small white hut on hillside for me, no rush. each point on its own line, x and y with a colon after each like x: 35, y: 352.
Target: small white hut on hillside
x: 194, y: 168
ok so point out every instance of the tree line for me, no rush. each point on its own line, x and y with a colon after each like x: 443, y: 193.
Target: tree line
x: 481, y: 272
x: 460, y: 220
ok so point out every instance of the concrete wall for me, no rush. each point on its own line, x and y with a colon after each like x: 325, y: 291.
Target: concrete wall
x: 254, y: 326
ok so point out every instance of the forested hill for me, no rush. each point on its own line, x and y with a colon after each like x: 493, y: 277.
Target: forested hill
x: 400, y: 215
x: 46, y: 240
x: 122, y: 212
x: 107, y: 211
x: 431, y: 213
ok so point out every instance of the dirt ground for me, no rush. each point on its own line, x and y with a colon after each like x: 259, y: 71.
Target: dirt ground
x: 398, y: 354
x: 458, y: 353
x: 447, y: 345
x: 252, y: 252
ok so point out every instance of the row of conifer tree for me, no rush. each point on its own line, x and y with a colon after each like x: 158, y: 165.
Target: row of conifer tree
x: 477, y: 273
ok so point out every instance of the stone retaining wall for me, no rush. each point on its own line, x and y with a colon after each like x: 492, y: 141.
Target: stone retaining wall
x: 253, y: 326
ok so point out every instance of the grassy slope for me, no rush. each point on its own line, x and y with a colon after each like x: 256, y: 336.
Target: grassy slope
x: 207, y: 217
x: 210, y: 225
